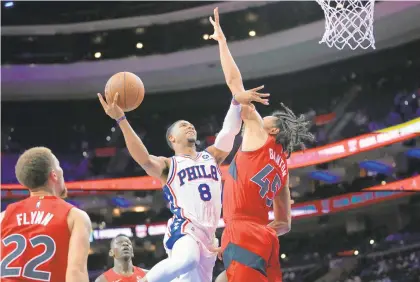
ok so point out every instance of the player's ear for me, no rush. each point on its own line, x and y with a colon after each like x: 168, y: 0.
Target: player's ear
x: 111, y: 253
x: 171, y: 138
x: 53, y: 175
x: 274, y: 131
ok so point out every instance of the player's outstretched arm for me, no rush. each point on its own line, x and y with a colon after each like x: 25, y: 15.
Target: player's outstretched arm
x: 282, y: 211
x: 80, y: 228
x: 234, y: 81
x: 101, y: 278
x: 154, y: 166
x: 230, y: 69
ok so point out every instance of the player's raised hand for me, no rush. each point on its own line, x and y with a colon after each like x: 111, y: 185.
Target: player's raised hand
x: 253, y: 95
x: 218, y: 33
x: 111, y: 109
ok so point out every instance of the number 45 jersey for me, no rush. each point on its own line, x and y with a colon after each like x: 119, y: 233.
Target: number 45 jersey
x: 35, y: 240
x: 253, y: 181
x: 193, y: 189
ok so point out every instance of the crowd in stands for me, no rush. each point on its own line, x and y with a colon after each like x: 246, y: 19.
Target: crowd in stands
x: 401, y: 265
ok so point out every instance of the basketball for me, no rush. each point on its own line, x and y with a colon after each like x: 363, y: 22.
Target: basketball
x: 130, y: 89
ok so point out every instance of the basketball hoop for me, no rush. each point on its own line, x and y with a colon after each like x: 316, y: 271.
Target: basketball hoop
x: 348, y: 22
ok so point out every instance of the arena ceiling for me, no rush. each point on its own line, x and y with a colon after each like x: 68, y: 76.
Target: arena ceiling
x: 54, y: 12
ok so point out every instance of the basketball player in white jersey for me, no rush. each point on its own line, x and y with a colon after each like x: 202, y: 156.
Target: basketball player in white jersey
x: 192, y: 184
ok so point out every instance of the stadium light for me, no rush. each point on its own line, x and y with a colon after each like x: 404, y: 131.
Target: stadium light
x: 9, y: 4
x: 116, y: 212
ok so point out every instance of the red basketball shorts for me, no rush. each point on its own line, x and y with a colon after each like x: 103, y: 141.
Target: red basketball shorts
x: 251, y: 252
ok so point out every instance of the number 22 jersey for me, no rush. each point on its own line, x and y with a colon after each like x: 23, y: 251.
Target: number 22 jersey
x: 35, y: 240
x: 253, y: 181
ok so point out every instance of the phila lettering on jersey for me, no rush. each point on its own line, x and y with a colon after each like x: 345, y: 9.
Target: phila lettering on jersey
x: 193, y: 189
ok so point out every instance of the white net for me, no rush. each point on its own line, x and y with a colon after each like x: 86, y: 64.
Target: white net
x: 348, y: 23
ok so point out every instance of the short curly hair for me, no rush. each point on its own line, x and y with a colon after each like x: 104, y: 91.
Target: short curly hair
x: 33, y: 167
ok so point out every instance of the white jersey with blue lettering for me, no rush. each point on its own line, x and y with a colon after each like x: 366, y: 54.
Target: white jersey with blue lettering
x: 193, y: 188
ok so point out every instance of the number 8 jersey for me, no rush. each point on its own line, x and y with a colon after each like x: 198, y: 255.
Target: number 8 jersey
x: 35, y: 240
x: 253, y: 181
x: 193, y: 189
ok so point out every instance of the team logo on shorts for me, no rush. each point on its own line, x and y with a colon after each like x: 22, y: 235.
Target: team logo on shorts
x: 205, y: 157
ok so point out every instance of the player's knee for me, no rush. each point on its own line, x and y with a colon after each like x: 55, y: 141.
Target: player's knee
x: 222, y: 277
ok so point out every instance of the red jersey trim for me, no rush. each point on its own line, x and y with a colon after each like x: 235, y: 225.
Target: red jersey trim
x: 270, y: 139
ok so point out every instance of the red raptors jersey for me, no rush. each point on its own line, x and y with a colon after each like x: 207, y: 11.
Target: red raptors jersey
x: 112, y: 276
x: 35, y: 240
x: 253, y: 181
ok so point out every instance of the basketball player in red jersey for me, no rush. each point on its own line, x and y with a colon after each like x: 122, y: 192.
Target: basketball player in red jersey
x: 257, y: 181
x: 123, y: 270
x: 43, y: 238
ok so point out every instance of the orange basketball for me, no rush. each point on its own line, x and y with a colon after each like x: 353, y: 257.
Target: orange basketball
x: 130, y: 89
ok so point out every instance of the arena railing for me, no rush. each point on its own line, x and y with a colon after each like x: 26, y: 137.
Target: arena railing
x: 299, y: 211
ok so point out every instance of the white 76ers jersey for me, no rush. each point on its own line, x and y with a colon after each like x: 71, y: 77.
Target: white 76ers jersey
x: 194, y: 189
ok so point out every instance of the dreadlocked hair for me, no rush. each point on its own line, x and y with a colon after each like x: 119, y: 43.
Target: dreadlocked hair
x: 293, y: 131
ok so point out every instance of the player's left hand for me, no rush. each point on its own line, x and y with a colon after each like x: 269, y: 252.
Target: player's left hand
x: 218, y: 33
x: 248, y: 96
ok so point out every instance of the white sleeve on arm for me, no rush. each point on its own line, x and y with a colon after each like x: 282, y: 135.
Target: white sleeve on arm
x: 231, y: 127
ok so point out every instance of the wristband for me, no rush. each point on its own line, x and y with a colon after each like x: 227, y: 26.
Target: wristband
x: 234, y: 102
x: 121, y: 119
